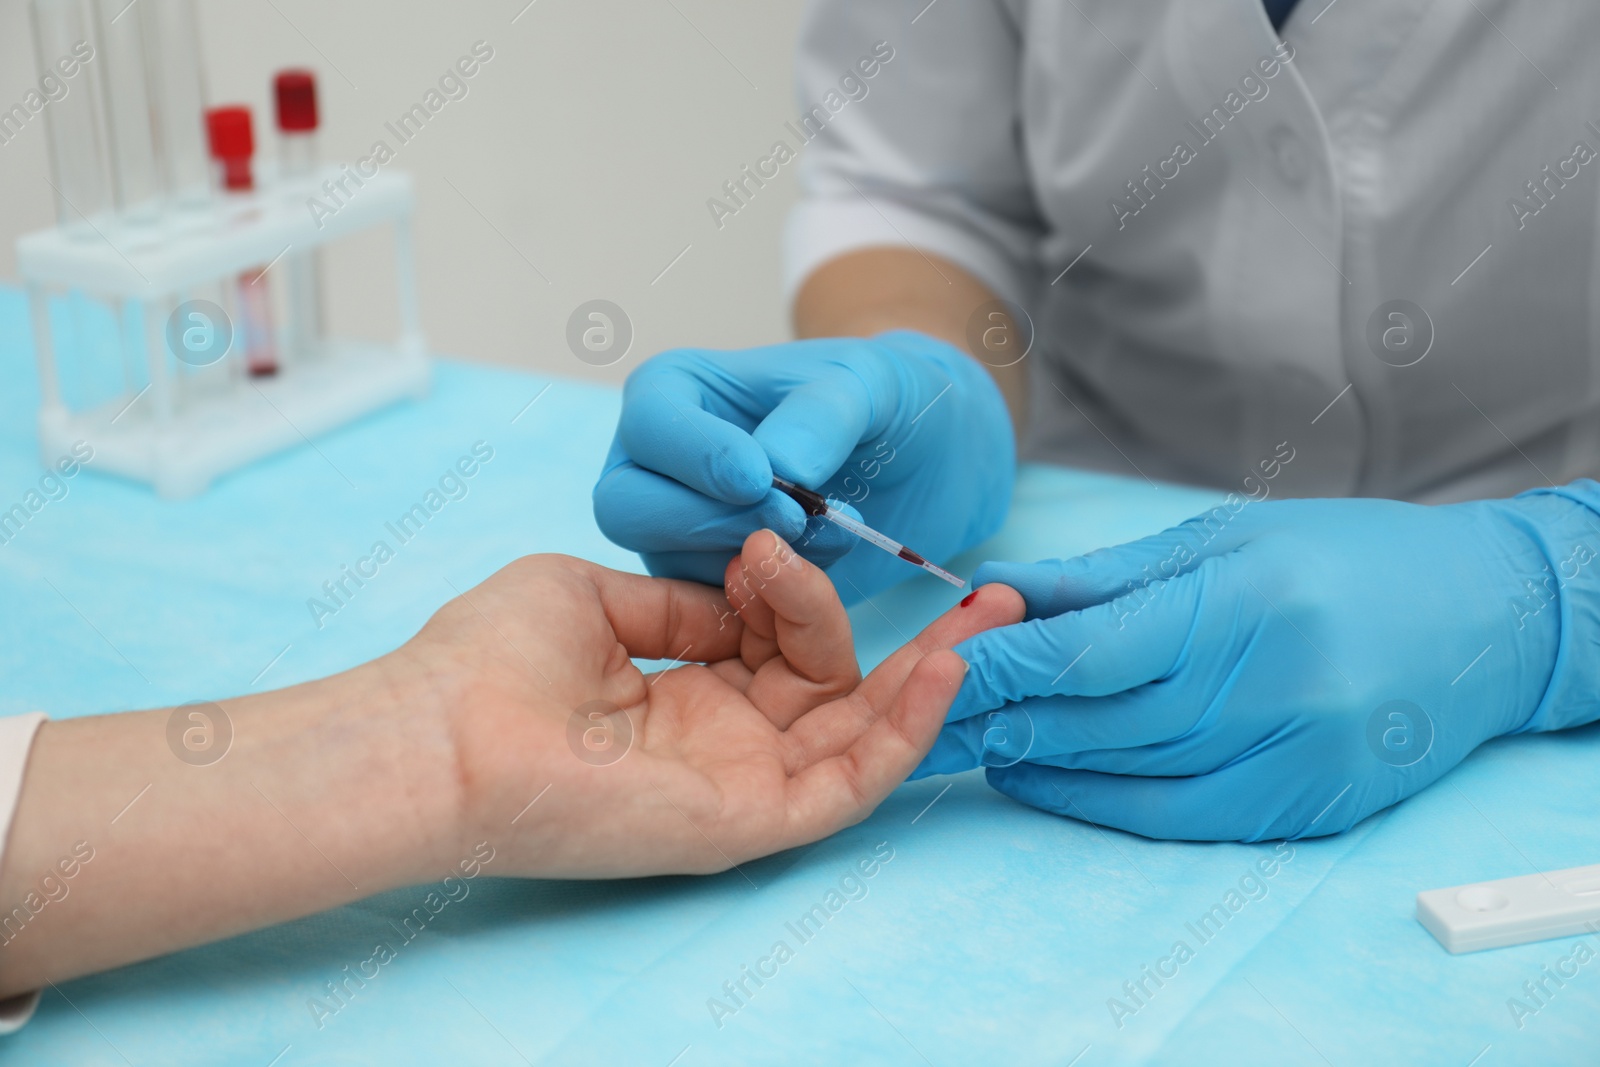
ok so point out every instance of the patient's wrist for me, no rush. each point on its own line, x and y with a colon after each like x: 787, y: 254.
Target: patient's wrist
x: 410, y: 713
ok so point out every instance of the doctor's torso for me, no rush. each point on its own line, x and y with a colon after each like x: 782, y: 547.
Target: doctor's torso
x: 1373, y: 240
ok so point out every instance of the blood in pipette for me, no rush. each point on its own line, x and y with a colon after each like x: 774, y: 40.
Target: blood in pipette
x: 813, y: 504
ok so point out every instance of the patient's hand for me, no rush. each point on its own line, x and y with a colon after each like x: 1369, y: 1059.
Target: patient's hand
x: 393, y: 772
x: 769, y: 738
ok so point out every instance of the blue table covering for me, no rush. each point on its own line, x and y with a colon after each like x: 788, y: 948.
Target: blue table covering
x: 988, y: 932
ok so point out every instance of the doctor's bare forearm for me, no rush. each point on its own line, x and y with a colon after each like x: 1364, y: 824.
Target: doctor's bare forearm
x: 871, y: 290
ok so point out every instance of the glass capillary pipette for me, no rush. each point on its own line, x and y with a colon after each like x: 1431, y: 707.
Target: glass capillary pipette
x: 816, y: 505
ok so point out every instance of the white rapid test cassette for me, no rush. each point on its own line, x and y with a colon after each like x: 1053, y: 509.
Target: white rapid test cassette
x: 1513, y: 911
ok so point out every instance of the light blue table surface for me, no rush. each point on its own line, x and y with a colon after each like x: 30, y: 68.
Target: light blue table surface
x: 996, y: 934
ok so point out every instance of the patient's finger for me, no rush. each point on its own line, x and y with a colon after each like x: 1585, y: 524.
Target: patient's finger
x: 832, y: 728
x: 812, y: 659
x: 841, y: 790
x: 760, y: 641
x: 983, y: 609
x: 662, y: 618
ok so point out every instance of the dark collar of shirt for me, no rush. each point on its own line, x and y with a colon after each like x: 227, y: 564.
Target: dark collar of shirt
x: 1278, y: 11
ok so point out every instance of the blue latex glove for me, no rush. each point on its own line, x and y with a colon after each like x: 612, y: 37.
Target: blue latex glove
x: 909, y: 431
x: 1283, y: 669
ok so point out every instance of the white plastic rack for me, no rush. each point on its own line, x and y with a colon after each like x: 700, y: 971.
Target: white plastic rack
x: 167, y: 432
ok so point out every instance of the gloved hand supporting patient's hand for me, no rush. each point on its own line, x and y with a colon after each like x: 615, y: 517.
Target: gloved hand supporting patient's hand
x: 1286, y: 669
x: 908, y: 430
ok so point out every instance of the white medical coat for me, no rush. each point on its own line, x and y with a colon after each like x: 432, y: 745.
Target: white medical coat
x: 1210, y: 255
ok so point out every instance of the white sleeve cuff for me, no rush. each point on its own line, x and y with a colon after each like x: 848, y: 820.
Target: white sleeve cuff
x: 16, y: 1011
x: 821, y: 228
x: 16, y: 741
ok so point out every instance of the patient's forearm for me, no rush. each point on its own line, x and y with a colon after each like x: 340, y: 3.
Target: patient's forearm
x: 871, y: 290
x: 329, y: 791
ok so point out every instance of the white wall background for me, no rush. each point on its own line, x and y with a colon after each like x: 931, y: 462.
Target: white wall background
x: 587, y: 147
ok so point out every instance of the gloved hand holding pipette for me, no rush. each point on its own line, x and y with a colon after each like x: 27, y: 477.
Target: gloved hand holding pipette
x: 909, y: 432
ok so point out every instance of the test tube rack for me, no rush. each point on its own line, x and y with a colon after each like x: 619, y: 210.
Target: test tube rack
x: 146, y: 433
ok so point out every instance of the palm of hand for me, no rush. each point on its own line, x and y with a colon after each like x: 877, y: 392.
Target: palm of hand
x: 583, y: 766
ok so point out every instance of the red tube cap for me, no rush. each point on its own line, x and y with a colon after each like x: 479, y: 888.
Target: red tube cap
x: 296, y: 92
x: 232, y: 143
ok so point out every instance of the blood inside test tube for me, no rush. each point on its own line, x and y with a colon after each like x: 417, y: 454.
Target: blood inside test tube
x: 232, y: 145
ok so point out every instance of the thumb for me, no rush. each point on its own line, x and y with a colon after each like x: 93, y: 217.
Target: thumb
x: 813, y: 429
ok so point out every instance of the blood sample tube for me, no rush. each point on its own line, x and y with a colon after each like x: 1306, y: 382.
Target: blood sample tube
x: 295, y: 93
x: 232, y: 144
